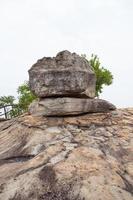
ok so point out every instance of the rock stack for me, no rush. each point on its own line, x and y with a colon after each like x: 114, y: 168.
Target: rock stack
x: 65, y: 85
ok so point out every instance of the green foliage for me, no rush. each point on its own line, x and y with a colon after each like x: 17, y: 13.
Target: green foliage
x: 25, y: 96
x: 15, y: 111
x: 103, y: 76
x: 7, y: 100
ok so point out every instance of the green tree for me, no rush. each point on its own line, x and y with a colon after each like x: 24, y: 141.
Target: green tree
x: 6, y: 103
x: 15, y: 111
x: 25, y: 97
x: 7, y: 100
x: 103, y: 75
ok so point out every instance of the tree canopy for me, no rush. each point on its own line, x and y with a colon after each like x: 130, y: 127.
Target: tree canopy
x: 25, y: 96
x: 103, y: 75
x: 7, y: 100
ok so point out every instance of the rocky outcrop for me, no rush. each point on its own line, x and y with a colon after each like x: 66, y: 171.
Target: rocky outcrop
x: 67, y: 74
x: 69, y: 106
x: 50, y: 155
x: 87, y: 157
x: 68, y: 77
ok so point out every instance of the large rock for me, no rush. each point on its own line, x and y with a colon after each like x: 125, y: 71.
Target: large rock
x: 86, y: 157
x: 69, y: 106
x: 67, y: 74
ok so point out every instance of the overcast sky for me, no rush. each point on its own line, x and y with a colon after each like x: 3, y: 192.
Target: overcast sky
x: 32, y: 29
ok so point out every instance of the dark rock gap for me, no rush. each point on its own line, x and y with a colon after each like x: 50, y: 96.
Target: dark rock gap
x: 16, y: 159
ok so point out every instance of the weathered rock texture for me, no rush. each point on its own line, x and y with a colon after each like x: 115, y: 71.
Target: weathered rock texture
x: 68, y: 106
x: 67, y: 74
x: 68, y: 77
x: 87, y: 157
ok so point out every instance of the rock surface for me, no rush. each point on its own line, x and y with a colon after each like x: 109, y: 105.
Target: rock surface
x: 87, y: 157
x: 68, y: 106
x: 67, y: 74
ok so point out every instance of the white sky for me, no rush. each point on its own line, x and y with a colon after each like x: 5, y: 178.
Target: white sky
x: 32, y: 29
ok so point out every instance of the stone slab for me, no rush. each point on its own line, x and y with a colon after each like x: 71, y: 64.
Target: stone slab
x: 69, y: 106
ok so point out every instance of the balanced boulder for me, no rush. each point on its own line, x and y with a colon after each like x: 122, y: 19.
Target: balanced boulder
x: 67, y: 74
x: 65, y: 85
